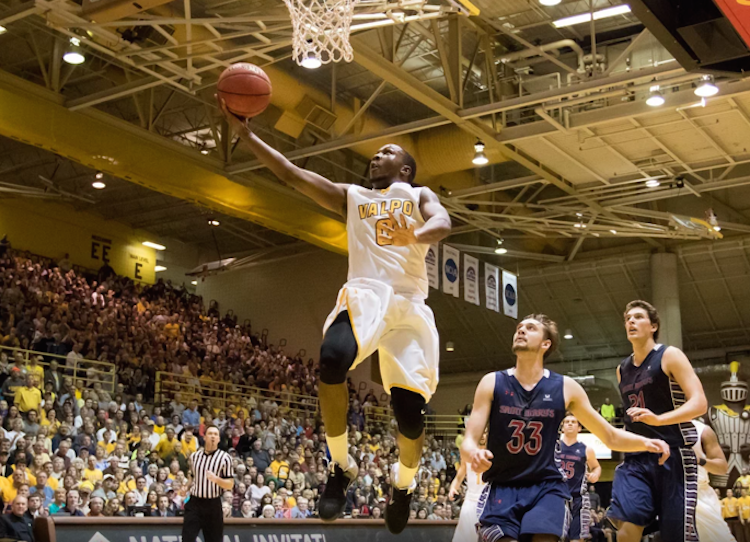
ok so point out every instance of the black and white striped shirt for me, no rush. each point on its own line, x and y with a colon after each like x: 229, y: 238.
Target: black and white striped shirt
x: 219, y: 462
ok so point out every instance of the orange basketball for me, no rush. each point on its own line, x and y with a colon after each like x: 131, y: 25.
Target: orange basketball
x: 245, y: 88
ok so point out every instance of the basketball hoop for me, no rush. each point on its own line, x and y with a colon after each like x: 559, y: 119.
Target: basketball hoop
x: 321, y: 31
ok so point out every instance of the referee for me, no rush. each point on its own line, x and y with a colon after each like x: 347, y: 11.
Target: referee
x: 213, y: 473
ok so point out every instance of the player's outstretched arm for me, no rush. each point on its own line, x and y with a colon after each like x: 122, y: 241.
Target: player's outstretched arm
x: 437, y: 224
x: 329, y: 195
x: 578, y: 403
x: 479, y: 458
x: 716, y: 462
x: 595, y: 469
x: 677, y: 367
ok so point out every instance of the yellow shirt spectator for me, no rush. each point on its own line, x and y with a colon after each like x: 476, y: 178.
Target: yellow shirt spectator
x: 165, y: 446
x: 744, y: 504
x: 28, y: 397
x: 189, y: 447
x: 743, y: 481
x: 729, y: 507
x: 38, y: 372
x: 172, y: 330
x: 93, y: 475
x: 608, y: 412
x: 108, y: 448
x: 53, y: 483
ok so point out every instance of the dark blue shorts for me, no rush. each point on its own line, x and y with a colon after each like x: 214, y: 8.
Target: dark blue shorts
x: 580, y: 517
x: 644, y: 491
x: 520, y: 512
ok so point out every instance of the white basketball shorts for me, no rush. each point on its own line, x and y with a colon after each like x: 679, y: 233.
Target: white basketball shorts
x: 403, y: 331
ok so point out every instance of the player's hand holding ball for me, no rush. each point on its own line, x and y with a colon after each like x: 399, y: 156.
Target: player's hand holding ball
x: 658, y: 447
x: 481, y: 461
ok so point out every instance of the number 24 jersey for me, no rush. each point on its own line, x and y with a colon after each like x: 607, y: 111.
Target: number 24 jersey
x: 524, y: 430
x: 372, y: 253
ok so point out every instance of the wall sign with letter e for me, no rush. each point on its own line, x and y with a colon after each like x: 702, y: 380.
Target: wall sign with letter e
x: 451, y: 262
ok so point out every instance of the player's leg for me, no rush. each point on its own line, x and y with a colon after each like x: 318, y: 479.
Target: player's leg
x: 629, y: 532
x: 499, y: 514
x: 677, y: 484
x: 633, y: 499
x: 337, y: 354
x: 546, y: 511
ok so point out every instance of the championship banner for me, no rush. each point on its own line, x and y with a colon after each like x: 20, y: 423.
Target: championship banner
x: 510, y: 294
x: 432, y: 266
x: 450, y: 270
x: 471, y: 279
x: 491, y: 277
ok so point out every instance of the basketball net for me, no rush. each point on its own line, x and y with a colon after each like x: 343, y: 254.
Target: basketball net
x: 321, y: 31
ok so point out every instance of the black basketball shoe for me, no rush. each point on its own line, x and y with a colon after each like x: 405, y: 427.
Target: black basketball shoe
x: 397, y: 510
x: 333, y: 500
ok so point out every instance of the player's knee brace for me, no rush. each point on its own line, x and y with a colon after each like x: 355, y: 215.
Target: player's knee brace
x: 408, y: 409
x: 338, y: 351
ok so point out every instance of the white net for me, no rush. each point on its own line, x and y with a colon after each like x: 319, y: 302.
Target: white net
x: 321, y: 30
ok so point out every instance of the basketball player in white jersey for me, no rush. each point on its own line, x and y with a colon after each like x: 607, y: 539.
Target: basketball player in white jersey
x: 466, y: 530
x: 381, y: 307
x: 711, y: 459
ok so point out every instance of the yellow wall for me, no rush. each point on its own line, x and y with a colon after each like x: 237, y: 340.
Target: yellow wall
x: 52, y: 229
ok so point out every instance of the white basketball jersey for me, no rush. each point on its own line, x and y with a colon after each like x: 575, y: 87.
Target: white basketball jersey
x: 371, y: 251
x: 698, y: 448
x: 474, y: 484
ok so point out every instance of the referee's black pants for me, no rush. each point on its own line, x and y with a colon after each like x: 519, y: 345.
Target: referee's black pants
x: 203, y: 515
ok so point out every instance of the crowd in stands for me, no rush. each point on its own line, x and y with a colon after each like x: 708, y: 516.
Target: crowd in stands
x: 76, y: 441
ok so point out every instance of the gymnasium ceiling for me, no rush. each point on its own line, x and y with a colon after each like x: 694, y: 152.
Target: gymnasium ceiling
x: 570, y: 146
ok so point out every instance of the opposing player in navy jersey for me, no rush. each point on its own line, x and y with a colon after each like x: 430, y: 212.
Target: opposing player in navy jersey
x: 526, y: 497
x: 581, y: 467
x: 662, y: 395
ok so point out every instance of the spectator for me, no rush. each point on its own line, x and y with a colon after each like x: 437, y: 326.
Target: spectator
x: 608, y: 410
x: 72, y: 504
x: 261, y: 458
x: 96, y: 507
x: 17, y: 525
x: 163, y: 508
x: 301, y: 511
x: 594, y: 499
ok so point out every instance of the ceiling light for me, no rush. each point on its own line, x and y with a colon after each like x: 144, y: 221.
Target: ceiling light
x: 713, y: 219
x: 655, y: 98
x: 653, y: 183
x: 213, y: 222
x: 311, y: 61
x: 717, y: 228
x: 579, y: 215
x: 707, y: 87
x: 586, y: 17
x: 74, y: 55
x: 501, y: 250
x: 568, y: 334
x: 480, y: 159
x: 159, y: 268
x: 2, y: 30
x: 99, y: 175
x: 156, y: 246
x: 577, y: 225
x: 613, y: 232
x: 204, y: 151
x: 549, y: 2
x: 449, y: 346
x: 98, y: 185
x: 194, y: 282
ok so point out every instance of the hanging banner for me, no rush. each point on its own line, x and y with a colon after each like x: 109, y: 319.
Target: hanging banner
x: 471, y: 279
x: 491, y: 277
x: 450, y: 270
x: 510, y: 294
x: 432, y: 266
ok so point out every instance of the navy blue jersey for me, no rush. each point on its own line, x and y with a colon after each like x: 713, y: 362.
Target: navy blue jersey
x: 523, y: 430
x: 575, y: 466
x: 648, y: 386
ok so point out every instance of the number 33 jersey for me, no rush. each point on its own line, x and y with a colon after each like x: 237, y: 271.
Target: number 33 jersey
x: 372, y: 253
x: 524, y: 430
x: 648, y: 386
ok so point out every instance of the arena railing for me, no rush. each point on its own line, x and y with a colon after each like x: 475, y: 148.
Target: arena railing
x: 103, y: 372
x: 379, y: 418
x: 222, y: 394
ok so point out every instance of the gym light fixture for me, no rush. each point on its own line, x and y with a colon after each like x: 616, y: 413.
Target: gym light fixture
x: 501, y: 250
x: 653, y: 183
x: 480, y: 159
x: 449, y: 346
x: 205, y: 151
x: 586, y: 17
x: 549, y: 2
x: 98, y: 185
x: 194, y: 282
x: 2, y: 30
x: 655, y: 98
x: 613, y: 232
x: 155, y: 246
x: 568, y: 334
x: 713, y: 220
x: 99, y: 175
x: 213, y: 222
x: 707, y: 87
x: 73, y: 54
x: 159, y: 268
x: 311, y: 61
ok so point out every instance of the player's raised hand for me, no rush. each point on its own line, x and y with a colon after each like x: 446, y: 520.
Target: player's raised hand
x: 658, y: 447
x: 236, y: 124
x: 481, y: 460
x: 643, y: 415
x: 401, y: 233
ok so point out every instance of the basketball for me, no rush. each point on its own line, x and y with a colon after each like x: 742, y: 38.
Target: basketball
x: 245, y: 88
